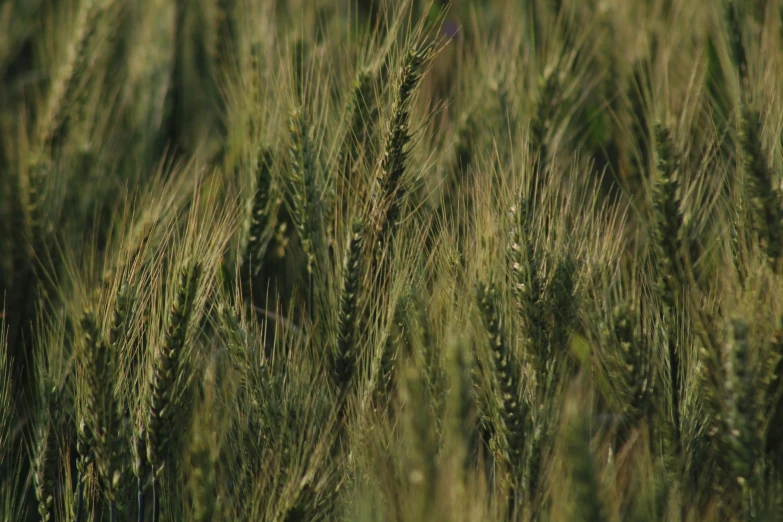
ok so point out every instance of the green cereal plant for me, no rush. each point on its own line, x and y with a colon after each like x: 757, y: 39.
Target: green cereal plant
x: 371, y: 330
x: 740, y: 405
x: 762, y: 189
x: 70, y: 73
x: 111, y: 460
x: 630, y: 363
x: 43, y: 469
x: 526, y: 280
x: 541, y: 124
x: 733, y: 16
x: 99, y: 429
x: 307, y: 195
x: 166, y: 367
x: 390, y: 185
x: 262, y: 219
x: 203, y: 477
x: 422, y: 461
x: 46, y: 456
x: 347, y: 349
x: 92, y: 365
x: 668, y: 245
x: 360, y: 114
x: 512, y: 409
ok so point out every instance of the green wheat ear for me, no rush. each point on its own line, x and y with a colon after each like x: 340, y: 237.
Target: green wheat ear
x: 390, y: 188
x: 110, y: 459
x: 512, y: 409
x: 46, y: 458
x: 740, y: 405
x: 735, y: 34
x: 526, y: 281
x: 765, y: 196
x: 166, y: 367
x: 668, y: 246
x: 92, y: 366
x: 346, y: 356
x: 261, y: 220
x: 361, y: 113
x: 540, y: 127
x: 308, y: 204
x: 668, y: 230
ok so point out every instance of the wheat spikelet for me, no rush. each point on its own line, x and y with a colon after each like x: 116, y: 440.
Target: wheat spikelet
x: 422, y: 470
x: 42, y: 469
x: 741, y: 427
x: 65, y: 84
x: 92, y: 366
x: 389, y: 188
x: 668, y: 247
x: 765, y: 198
x: 668, y: 230
x: 166, y: 366
x: 346, y: 349
x: 360, y: 118
x: 637, y: 370
x: 308, y: 207
x: 512, y: 409
x: 737, y: 47
x: 549, y: 92
x: 461, y: 402
x: 523, y: 262
x: 110, y: 458
x: 261, y: 221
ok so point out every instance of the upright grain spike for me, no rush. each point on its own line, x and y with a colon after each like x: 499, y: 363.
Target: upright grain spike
x: 548, y: 96
x: 92, y: 366
x: 46, y: 456
x: 346, y: 355
x: 110, y: 459
x: 512, y: 410
x: 261, y: 221
x: 389, y: 188
x: 736, y: 44
x: 668, y: 233
x: 72, y: 70
x: 524, y: 268
x: 765, y: 197
x: 741, y: 427
x: 308, y: 206
x: 165, y: 370
x: 360, y: 119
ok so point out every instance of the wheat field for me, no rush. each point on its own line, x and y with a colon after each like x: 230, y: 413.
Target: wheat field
x: 343, y: 260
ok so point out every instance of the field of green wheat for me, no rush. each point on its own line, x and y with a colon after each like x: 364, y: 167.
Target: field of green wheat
x: 391, y: 261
